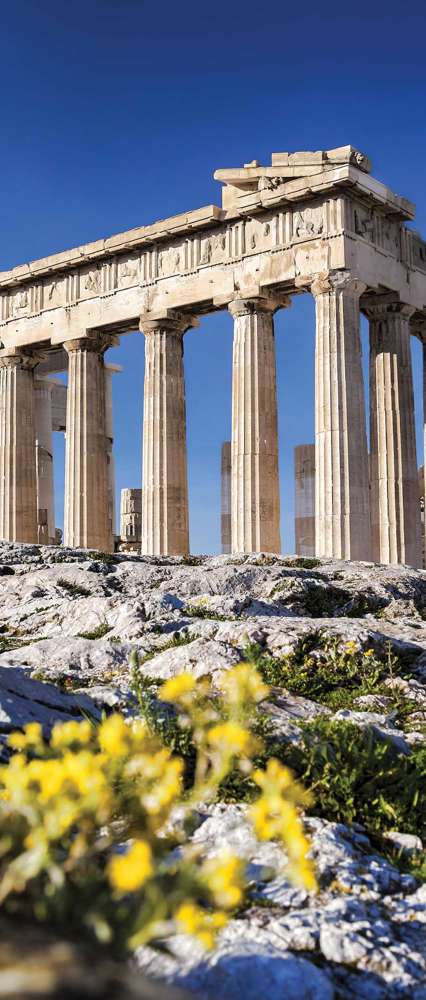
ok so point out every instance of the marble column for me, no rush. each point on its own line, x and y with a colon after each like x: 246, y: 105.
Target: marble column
x: 395, y: 508
x: 255, y: 521
x: 423, y: 490
x: 86, y: 522
x: 165, y: 524
x: 342, y: 516
x: 18, y: 483
x: 110, y: 370
x: 44, y: 461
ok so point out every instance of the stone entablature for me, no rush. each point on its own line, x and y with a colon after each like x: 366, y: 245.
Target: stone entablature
x: 282, y: 226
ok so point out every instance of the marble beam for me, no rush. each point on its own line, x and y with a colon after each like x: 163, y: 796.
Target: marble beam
x: 165, y: 524
x: 18, y: 481
x: 342, y: 516
x: 255, y: 480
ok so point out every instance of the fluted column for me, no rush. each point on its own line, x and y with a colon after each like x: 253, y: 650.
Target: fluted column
x: 255, y: 520
x: 86, y: 523
x: 44, y: 461
x: 165, y: 525
x: 342, y: 518
x: 18, y: 484
x: 423, y: 529
x: 395, y: 508
x: 109, y: 371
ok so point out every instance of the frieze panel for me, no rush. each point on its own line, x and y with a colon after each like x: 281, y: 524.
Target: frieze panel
x: 91, y: 281
x: 308, y: 224
x: 128, y: 271
x: 418, y: 252
x: 55, y: 292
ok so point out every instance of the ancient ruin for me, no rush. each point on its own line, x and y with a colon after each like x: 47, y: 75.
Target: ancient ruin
x: 130, y: 520
x: 311, y: 222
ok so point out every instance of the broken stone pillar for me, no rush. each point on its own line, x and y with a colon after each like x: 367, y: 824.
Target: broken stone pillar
x: 131, y: 519
x: 86, y: 522
x: 255, y: 480
x: 44, y: 461
x: 304, y: 499
x: 165, y: 526
x: 342, y: 517
x: 395, y: 512
x: 225, y: 480
x: 18, y: 482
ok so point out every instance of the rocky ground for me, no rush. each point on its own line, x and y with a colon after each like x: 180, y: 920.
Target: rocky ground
x: 68, y: 622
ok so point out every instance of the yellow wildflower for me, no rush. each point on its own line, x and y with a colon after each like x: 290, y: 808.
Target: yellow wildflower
x: 177, y: 687
x: 274, y: 815
x: 230, y: 738
x: 369, y: 653
x: 114, y: 736
x: 32, y: 736
x: 66, y: 733
x: 225, y: 878
x: 199, y: 923
x: 243, y: 684
x: 128, y: 872
x: 351, y: 647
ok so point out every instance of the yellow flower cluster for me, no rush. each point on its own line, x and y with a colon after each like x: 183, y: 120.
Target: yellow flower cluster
x: 275, y: 816
x: 243, y: 686
x: 94, y: 814
x: 199, y: 923
x: 230, y: 738
x: 129, y: 872
x: 224, y: 875
x: 177, y: 687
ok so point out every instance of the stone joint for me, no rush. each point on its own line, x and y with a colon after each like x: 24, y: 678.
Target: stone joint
x: 336, y: 281
x: 172, y: 321
x: 247, y: 305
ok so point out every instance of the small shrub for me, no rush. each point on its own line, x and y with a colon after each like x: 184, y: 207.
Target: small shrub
x: 90, y: 822
x: 354, y: 775
x: 104, y: 557
x: 303, y: 562
x: 201, y: 611
x: 333, y: 673
x: 75, y: 589
x: 96, y: 633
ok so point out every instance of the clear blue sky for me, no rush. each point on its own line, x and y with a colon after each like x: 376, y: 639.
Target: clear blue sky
x: 116, y: 113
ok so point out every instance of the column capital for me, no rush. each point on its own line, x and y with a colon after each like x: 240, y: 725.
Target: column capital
x: 381, y: 308
x: 245, y: 305
x: 169, y: 320
x: 96, y: 343
x: 15, y: 357
x: 336, y: 281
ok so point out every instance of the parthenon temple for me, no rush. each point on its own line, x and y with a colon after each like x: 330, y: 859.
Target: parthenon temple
x: 311, y: 222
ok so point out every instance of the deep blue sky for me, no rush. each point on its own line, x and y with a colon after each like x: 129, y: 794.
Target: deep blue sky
x: 117, y: 113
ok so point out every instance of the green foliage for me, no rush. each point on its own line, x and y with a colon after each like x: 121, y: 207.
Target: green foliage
x: 74, y: 589
x: 356, y: 776
x: 202, y: 611
x: 303, y: 562
x: 104, y: 557
x: 96, y: 633
x: 334, y: 674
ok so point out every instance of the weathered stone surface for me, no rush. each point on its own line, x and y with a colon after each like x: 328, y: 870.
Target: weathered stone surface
x: 365, y: 933
x: 23, y: 700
